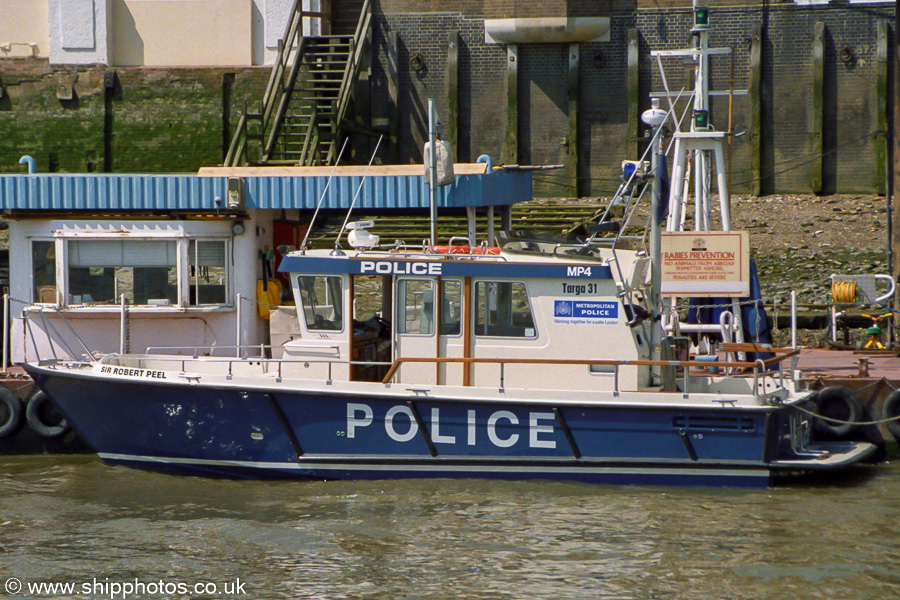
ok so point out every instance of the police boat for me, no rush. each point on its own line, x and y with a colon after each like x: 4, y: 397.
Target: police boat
x: 537, y: 357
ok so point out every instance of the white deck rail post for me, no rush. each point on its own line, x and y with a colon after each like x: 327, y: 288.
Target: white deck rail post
x: 5, y: 332
x: 122, y: 324
x: 794, y: 319
x: 237, y: 342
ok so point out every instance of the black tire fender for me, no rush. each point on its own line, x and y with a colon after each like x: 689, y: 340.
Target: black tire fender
x: 891, y: 409
x: 13, y: 410
x: 838, y: 402
x: 35, y: 418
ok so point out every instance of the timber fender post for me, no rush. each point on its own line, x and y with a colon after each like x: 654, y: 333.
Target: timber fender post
x: 633, y: 94
x: 818, y: 104
x: 754, y: 138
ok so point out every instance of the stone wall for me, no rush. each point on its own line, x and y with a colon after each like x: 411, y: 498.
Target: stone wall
x: 124, y: 120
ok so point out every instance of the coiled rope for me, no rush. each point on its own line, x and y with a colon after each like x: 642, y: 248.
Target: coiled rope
x: 843, y: 292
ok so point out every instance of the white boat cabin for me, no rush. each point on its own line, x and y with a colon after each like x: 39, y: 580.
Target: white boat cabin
x: 435, y: 311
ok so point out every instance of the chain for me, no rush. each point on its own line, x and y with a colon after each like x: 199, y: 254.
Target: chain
x: 252, y: 301
x: 11, y: 299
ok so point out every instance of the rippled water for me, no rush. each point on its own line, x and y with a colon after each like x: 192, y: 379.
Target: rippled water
x: 73, y: 519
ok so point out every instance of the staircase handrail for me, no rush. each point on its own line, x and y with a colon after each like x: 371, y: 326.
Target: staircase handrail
x: 351, y: 70
x: 238, y: 143
x: 311, y: 139
x: 275, y: 90
x: 284, y: 101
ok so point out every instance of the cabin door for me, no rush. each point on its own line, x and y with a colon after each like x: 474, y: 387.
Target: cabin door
x: 414, y: 329
x: 451, y: 324
x: 428, y: 324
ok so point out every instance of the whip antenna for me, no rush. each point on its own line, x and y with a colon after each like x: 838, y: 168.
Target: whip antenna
x: 337, y: 240
x: 328, y: 183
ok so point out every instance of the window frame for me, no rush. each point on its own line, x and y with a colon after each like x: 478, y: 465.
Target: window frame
x: 338, y: 302
x: 401, y: 309
x: 182, y: 265
x: 475, y: 310
x: 56, y: 272
x: 229, y: 278
x: 443, y: 305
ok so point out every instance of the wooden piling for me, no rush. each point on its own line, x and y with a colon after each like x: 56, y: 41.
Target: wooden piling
x: 572, y: 138
x: 633, y: 95
x: 453, y: 93
x: 393, y: 81
x: 754, y: 91
x: 816, y: 143
x: 511, y: 143
x: 881, y: 108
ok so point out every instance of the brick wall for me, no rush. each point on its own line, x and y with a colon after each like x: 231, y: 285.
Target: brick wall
x: 849, y: 95
x: 499, y: 9
x: 787, y: 87
x: 171, y: 120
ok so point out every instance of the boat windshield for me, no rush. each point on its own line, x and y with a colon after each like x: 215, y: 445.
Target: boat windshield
x: 527, y: 241
x: 321, y: 298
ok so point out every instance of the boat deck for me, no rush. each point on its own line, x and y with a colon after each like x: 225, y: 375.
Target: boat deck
x: 821, y: 363
x: 871, y: 375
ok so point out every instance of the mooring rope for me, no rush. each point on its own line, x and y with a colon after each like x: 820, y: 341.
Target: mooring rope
x: 833, y: 420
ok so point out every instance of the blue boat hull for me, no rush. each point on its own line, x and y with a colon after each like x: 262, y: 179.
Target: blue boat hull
x: 275, y: 433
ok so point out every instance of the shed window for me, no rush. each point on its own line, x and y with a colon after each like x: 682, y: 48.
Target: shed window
x: 208, y: 275
x: 43, y: 268
x: 100, y: 271
x: 156, y: 272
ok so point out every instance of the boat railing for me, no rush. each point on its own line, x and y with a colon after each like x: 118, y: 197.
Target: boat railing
x: 401, y: 249
x: 55, y: 337
x: 272, y: 366
x: 209, y: 350
x: 760, y: 369
x: 236, y: 352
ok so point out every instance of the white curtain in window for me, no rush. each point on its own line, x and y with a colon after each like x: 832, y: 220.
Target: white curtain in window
x: 211, y: 254
x: 121, y: 253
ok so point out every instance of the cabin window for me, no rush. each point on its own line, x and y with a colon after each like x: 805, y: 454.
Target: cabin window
x: 451, y: 307
x: 207, y: 272
x: 502, y: 309
x: 100, y: 271
x: 321, y: 298
x: 43, y: 268
x: 416, y: 306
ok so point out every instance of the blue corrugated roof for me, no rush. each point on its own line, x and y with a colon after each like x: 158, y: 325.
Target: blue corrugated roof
x: 142, y: 192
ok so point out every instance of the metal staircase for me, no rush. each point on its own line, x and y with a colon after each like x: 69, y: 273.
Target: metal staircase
x: 302, y: 117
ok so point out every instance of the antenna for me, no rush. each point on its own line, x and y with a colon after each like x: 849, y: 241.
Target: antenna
x: 337, y: 240
x: 315, y: 214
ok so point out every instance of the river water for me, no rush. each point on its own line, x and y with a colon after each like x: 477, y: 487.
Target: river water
x: 73, y: 520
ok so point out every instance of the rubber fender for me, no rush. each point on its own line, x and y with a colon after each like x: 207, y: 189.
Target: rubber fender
x: 13, y: 409
x: 838, y: 402
x: 891, y: 409
x: 33, y: 414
